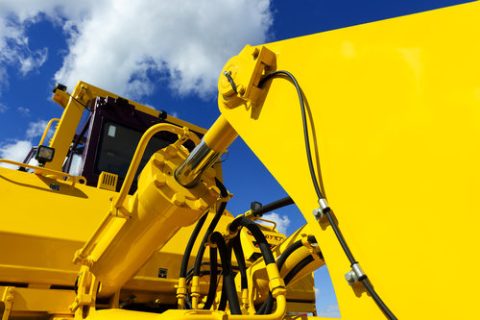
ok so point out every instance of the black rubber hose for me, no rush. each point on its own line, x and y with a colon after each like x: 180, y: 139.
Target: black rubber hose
x: 369, y: 287
x: 237, y: 249
x: 257, y: 234
x: 212, y: 287
x: 287, y: 253
x: 273, y: 206
x: 267, y: 305
x: 211, y: 228
x: 295, y: 270
x: 190, y: 244
x: 228, y: 276
x: 264, y: 248
x: 223, y: 300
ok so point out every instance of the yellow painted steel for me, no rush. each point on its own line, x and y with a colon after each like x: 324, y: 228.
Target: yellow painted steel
x: 64, y: 132
x: 220, y: 135
x: 47, y: 172
x: 395, y: 121
x: 145, y: 222
x: 395, y: 107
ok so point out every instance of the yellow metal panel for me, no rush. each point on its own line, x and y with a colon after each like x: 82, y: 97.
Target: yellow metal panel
x: 40, y: 206
x: 396, y: 109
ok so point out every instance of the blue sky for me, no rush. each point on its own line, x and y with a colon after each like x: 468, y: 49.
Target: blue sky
x: 163, y: 54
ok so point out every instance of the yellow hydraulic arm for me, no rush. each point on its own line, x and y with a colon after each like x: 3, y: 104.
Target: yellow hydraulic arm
x: 394, y: 126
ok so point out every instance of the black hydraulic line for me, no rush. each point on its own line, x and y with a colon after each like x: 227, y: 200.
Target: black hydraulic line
x: 212, y: 287
x: 326, y: 211
x: 263, y: 246
x: 223, y: 300
x: 228, y: 276
x: 237, y: 249
x: 190, y: 244
x: 273, y: 206
x: 369, y: 287
x: 295, y: 270
x: 211, y: 227
x: 267, y: 305
x: 287, y: 253
x: 257, y: 234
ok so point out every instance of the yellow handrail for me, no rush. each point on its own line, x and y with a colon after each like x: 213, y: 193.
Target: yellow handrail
x: 183, y: 135
x: 47, y: 128
x: 45, y: 171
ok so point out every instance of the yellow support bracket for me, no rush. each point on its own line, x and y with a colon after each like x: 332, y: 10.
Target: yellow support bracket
x: 239, y: 82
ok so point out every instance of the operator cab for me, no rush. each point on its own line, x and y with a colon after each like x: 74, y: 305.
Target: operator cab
x: 114, y: 129
x: 106, y: 141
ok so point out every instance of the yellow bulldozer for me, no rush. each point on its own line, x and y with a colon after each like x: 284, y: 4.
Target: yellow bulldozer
x: 374, y: 133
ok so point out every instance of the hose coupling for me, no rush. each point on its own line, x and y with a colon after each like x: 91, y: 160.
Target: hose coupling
x: 181, y: 292
x: 355, y: 274
x: 195, y: 291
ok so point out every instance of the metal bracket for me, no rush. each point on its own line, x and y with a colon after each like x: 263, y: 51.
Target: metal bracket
x: 239, y: 83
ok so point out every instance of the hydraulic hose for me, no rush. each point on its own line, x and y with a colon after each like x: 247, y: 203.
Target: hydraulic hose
x: 264, y: 248
x: 228, y: 277
x: 295, y: 270
x: 272, y: 206
x: 267, y: 305
x: 212, y: 287
x: 211, y: 228
x: 257, y: 234
x: 223, y: 300
x: 288, y: 252
x: 237, y: 249
x: 190, y: 244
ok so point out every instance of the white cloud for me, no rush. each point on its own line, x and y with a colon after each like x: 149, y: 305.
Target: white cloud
x: 120, y: 44
x: 3, y: 108
x: 33, y: 61
x: 24, y: 111
x: 14, y: 46
x: 329, y: 311
x: 35, y: 129
x: 282, y: 221
x: 16, y: 151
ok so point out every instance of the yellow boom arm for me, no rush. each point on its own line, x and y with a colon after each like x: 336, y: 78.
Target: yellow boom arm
x: 394, y: 122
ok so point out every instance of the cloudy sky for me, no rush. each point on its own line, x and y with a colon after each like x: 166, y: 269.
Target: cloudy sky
x: 166, y: 54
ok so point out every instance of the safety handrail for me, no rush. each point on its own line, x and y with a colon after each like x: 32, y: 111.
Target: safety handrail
x: 44, y: 171
x: 183, y: 135
x: 47, y: 128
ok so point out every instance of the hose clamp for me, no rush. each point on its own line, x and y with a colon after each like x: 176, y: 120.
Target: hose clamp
x: 323, y: 208
x: 355, y: 274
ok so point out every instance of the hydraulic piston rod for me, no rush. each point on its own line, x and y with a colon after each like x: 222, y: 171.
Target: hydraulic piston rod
x: 213, y: 144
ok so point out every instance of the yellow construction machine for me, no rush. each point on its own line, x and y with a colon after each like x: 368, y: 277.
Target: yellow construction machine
x: 372, y: 130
